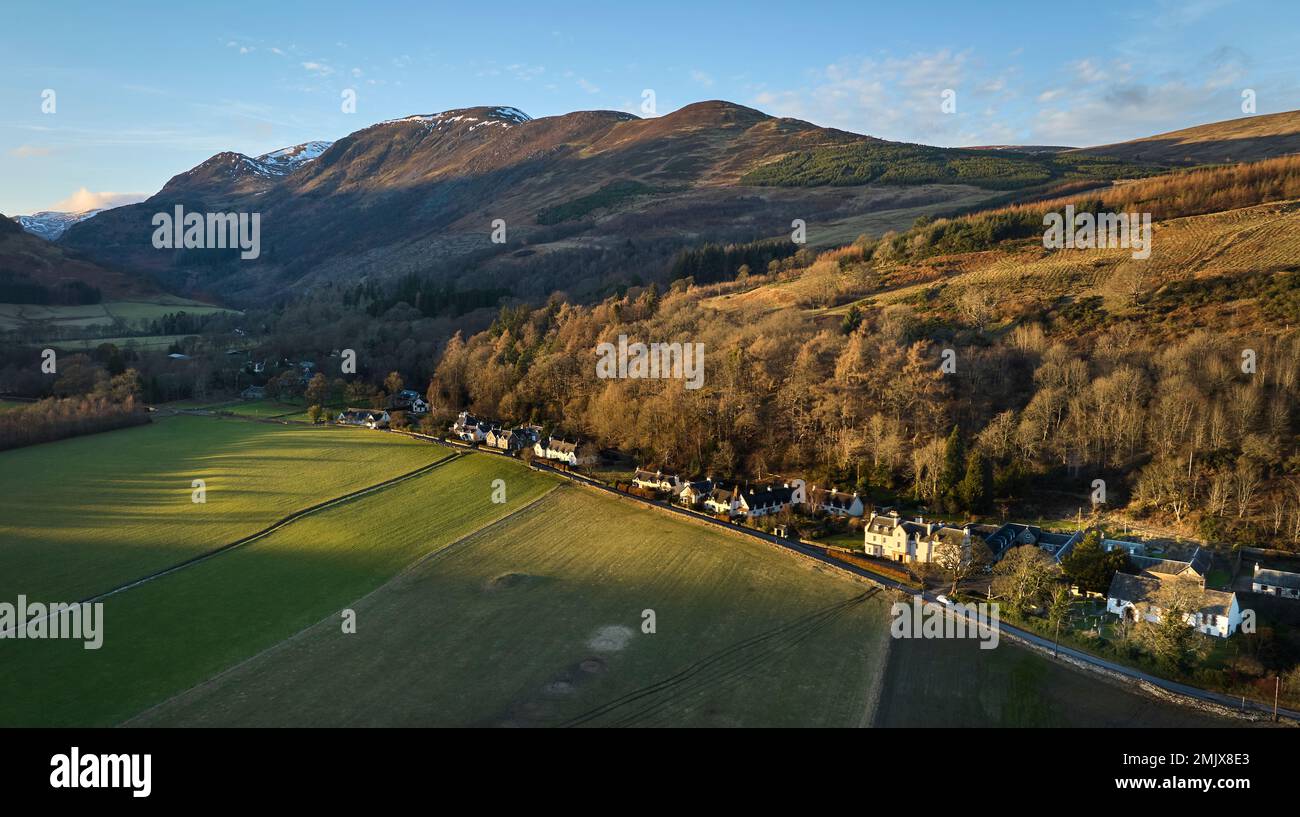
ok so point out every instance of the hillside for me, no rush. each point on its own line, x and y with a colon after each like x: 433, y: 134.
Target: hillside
x: 1248, y: 139
x: 590, y: 199
x: 36, y: 271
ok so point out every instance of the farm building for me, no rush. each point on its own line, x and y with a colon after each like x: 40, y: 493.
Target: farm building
x: 253, y: 393
x: 370, y: 418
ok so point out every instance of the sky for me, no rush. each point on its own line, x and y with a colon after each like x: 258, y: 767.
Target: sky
x: 143, y: 91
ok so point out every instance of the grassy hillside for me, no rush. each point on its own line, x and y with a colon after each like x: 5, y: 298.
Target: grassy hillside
x: 537, y: 622
x: 87, y: 514
x: 1248, y: 139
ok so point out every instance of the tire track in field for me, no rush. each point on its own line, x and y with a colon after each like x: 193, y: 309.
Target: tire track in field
x: 272, y: 528
x: 722, y: 666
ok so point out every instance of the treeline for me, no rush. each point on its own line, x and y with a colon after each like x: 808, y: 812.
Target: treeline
x: 898, y: 163
x: 1178, y: 431
x: 608, y: 196
x: 57, y: 419
x: 711, y: 263
x: 17, y: 289
x: 429, y: 297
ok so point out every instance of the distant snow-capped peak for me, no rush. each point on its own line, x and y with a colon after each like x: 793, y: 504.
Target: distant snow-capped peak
x: 50, y: 224
x: 285, y: 160
x: 502, y: 115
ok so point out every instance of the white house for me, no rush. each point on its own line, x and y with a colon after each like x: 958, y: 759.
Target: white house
x: 562, y: 451
x: 836, y: 502
x: 1282, y: 583
x: 370, y: 418
x: 766, y: 501
x: 656, y: 480
x: 470, y: 429
x: 1218, y: 612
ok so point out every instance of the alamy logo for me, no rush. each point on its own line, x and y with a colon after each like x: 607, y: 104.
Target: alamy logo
x: 91, y: 771
x: 679, y: 361
x: 208, y: 231
x: 1088, y: 231
x: 928, y: 619
x: 84, y: 621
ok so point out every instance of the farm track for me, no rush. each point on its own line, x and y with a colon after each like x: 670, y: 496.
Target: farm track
x: 273, y: 527
x: 720, y: 668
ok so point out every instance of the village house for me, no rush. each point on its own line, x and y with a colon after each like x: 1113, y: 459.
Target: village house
x: 1010, y: 535
x: 889, y: 536
x: 723, y: 501
x: 470, y: 429
x: 835, y: 502
x: 253, y: 393
x: 692, y: 494
x: 562, y: 450
x: 767, y: 501
x: 370, y: 418
x: 410, y: 401
x: 656, y: 480
x: 509, y: 440
x: 1275, y: 582
x: 1217, y: 613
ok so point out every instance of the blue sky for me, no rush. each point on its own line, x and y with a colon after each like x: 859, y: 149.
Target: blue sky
x: 147, y: 90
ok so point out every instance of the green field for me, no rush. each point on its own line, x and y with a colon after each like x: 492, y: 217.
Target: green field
x: 537, y: 622
x: 17, y: 316
x: 168, y: 634
x: 87, y: 514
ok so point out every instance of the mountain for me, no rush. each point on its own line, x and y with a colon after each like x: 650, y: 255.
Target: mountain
x: 37, y: 271
x: 590, y: 199
x: 230, y: 174
x: 51, y: 224
x: 1248, y: 139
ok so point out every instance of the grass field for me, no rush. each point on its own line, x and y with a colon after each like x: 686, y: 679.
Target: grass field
x: 16, y: 316
x: 166, y: 635
x: 953, y: 683
x: 537, y: 622
x: 86, y: 514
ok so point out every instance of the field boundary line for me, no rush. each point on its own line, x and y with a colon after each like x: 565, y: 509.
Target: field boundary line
x: 272, y: 528
x: 430, y: 556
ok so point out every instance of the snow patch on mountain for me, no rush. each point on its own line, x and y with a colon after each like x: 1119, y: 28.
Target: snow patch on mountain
x: 51, y: 224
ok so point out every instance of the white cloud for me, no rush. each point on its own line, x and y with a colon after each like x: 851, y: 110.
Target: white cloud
x: 587, y: 86
x: 84, y: 199
x: 320, y: 69
x: 701, y: 78
x: 30, y: 151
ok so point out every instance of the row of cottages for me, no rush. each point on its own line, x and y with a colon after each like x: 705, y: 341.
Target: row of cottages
x: 1217, y: 613
x: 512, y: 440
x: 1010, y: 535
x: 370, y: 418
x: 562, y: 450
x: 889, y: 536
x: 697, y: 493
x: 753, y: 503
